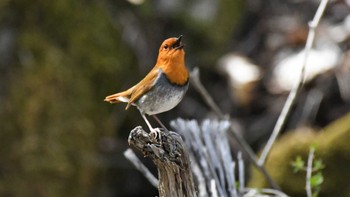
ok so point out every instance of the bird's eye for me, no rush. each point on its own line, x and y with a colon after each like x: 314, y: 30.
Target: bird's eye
x: 166, y: 46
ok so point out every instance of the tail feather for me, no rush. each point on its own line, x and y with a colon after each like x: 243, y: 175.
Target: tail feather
x: 120, y: 97
x: 116, y: 98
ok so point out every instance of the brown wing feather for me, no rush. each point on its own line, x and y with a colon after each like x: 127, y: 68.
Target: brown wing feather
x: 143, y: 86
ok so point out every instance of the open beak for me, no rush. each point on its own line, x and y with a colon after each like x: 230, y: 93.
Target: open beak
x: 178, y: 44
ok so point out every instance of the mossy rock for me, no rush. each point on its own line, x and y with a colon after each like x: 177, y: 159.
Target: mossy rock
x: 333, y: 148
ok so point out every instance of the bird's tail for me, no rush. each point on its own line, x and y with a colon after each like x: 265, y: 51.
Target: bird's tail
x: 120, y: 97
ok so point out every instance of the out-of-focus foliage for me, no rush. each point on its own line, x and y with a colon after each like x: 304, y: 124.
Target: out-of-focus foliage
x: 66, y: 56
x: 332, y: 147
x: 58, y: 60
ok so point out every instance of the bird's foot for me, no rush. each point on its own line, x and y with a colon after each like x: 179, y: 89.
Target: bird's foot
x: 155, y: 135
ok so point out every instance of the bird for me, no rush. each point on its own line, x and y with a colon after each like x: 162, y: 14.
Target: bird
x: 163, y: 87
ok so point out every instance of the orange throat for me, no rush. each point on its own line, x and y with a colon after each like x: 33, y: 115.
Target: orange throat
x: 177, y: 73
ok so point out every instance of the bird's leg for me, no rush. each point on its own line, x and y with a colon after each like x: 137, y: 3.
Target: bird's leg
x: 160, y: 122
x: 145, y: 119
x: 166, y: 130
x: 153, y: 132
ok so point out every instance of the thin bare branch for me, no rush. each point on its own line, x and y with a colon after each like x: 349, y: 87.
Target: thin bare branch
x: 240, y: 172
x: 262, y: 192
x: 213, y: 188
x: 292, y: 95
x: 309, y: 172
x: 232, y: 185
x: 131, y: 156
x: 196, y: 82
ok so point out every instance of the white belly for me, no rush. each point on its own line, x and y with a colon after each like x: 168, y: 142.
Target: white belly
x: 163, y: 97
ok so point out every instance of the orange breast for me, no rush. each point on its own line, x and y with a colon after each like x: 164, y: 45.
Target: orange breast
x: 176, y: 72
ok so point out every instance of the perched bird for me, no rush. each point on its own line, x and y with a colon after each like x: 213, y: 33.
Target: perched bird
x: 163, y: 87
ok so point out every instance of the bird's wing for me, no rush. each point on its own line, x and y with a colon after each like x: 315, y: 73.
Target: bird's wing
x: 143, y: 86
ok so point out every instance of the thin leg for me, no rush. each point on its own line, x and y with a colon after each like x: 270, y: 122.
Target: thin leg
x: 165, y: 129
x: 154, y: 133
x: 160, y: 122
x: 148, y: 124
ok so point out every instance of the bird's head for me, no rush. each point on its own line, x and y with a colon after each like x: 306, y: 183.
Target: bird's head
x: 172, y: 50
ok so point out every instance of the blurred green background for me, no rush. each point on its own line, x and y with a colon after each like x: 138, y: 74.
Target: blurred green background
x: 59, y: 59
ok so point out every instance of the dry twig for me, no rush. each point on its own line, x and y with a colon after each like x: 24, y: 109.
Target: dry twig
x: 196, y: 82
x: 210, y: 153
x: 131, y: 156
x: 293, y: 93
x: 309, y: 172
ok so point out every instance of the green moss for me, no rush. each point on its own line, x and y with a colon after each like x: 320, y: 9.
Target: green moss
x: 332, y: 147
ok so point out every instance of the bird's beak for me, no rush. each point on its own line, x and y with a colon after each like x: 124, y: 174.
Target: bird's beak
x: 179, y: 38
x: 178, y: 44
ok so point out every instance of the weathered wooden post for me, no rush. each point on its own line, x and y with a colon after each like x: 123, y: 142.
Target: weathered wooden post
x: 169, y: 154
